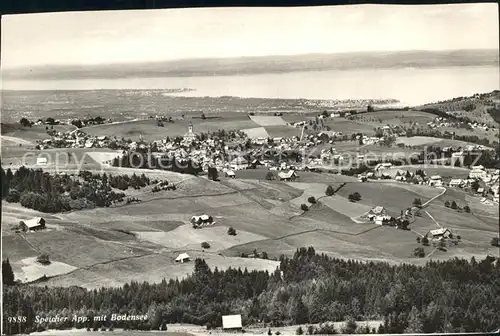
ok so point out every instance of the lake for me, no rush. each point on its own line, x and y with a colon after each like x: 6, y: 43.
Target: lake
x: 411, y: 86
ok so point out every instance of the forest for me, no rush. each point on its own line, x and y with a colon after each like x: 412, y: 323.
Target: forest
x: 442, y: 296
x: 52, y: 193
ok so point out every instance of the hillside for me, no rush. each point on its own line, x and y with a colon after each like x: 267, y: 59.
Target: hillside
x: 481, y: 108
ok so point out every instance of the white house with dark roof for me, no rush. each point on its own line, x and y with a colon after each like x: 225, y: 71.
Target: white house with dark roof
x: 182, y: 258
x: 288, y: 176
x: 34, y: 224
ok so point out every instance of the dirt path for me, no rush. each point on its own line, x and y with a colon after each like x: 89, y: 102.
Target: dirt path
x: 433, y: 198
x: 435, y: 221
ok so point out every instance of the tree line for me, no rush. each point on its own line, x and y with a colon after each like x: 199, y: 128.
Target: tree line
x: 307, y: 288
x: 142, y: 159
x: 52, y: 193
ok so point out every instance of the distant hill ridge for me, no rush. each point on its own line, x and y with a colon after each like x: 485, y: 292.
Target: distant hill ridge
x: 262, y: 64
x: 481, y: 108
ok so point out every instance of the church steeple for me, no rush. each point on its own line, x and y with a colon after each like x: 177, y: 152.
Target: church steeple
x: 190, y: 127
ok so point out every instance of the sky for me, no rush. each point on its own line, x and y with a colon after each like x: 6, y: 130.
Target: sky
x: 109, y: 37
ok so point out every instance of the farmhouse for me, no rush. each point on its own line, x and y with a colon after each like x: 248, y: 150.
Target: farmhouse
x: 290, y: 176
x: 231, y: 322
x: 378, y: 210
x: 41, y: 161
x: 379, y: 220
x: 438, y: 234
x: 202, y: 220
x: 34, y: 224
x: 230, y: 173
x: 435, y: 181
x: 256, y: 163
x: 182, y: 258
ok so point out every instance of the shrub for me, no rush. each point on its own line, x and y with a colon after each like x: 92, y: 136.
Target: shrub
x: 277, y: 333
x: 269, y: 176
x: 304, y: 207
x: 205, y: 245
x: 310, y: 330
x: 454, y: 205
x: 299, y: 331
x: 350, y: 326
x: 269, y: 332
x: 425, y: 241
x: 231, y: 231
x: 43, y: 259
x: 417, y: 202
x: 419, y: 252
x: 14, y: 196
x: 495, y: 242
x: 311, y: 200
x: 467, y: 209
x: 329, y: 191
x: 354, y: 197
x: 447, y: 204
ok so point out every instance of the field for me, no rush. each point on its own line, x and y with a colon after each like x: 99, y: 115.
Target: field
x: 443, y: 171
x: 149, y: 129
x: 348, y: 126
x: 263, y: 120
x: 140, y: 241
x: 256, y: 132
x: 395, y: 117
x: 428, y: 141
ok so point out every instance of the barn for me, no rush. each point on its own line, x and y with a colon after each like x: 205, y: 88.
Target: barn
x: 34, y: 224
x: 182, y: 258
x: 231, y: 322
x: 290, y: 176
x: 439, y: 234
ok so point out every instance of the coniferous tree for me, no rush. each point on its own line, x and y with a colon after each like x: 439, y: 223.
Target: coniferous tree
x: 7, y: 273
x: 415, y: 325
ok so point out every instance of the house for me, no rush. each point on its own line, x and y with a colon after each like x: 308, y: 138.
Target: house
x: 239, y: 163
x: 438, y: 234
x: 477, y: 172
x: 289, y: 176
x: 256, y: 163
x: 182, y: 258
x: 435, y: 181
x: 202, y: 220
x: 41, y: 161
x: 231, y: 322
x: 456, y: 183
x: 34, y: 224
x: 230, y: 173
x: 379, y: 220
x: 377, y: 211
